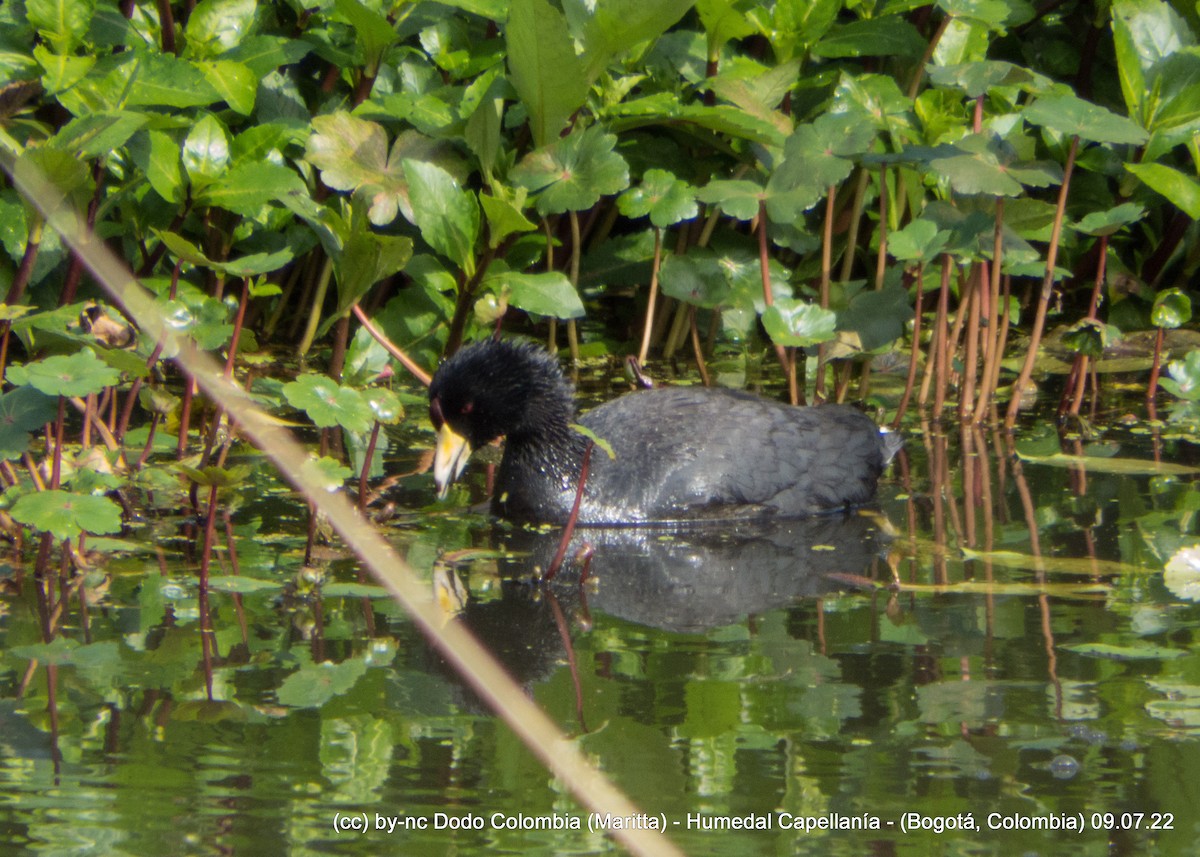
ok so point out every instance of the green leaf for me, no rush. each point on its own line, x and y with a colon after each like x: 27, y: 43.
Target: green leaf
x: 1184, y: 380
x: 78, y: 374
x: 385, y: 405
x: 65, y: 515
x: 574, y: 172
x: 62, y: 71
x: 919, y: 241
x: 814, y: 157
x: 328, y: 404
x: 162, y: 80
x: 695, y: 278
x: 99, y: 133
x: 1086, y: 336
x: 217, y: 477
x: 62, y: 23
x: 330, y: 473
x: 373, y: 33
x: 974, y: 79
x: 354, y: 590
x: 549, y: 294
x: 234, y: 82
x: 447, y: 215
x: 312, y: 686
x: 159, y: 160
x: 247, y: 187
x: 723, y: 21
x: 550, y: 79
x: 738, y: 198
x: 206, y: 149
x: 216, y: 26
x: 615, y: 27
x: 1181, y: 189
x: 884, y: 36
x: 1172, y: 308
x: 504, y: 217
x: 241, y: 585
x: 1110, y: 221
x: 22, y: 411
x: 799, y: 323
x: 661, y: 195
x: 1125, y: 653
x: 877, y: 316
x: 985, y: 164
x: 1066, y: 114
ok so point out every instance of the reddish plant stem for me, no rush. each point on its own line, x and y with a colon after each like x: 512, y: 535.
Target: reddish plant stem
x: 1039, y: 320
x: 391, y: 348
x: 569, y: 529
x: 915, y: 351
x: 206, y: 642
x: 366, y: 468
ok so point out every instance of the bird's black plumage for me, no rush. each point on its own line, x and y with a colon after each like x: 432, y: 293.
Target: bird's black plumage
x: 681, y: 453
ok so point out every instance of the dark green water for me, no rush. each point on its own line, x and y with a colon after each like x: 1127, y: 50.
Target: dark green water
x: 770, y: 678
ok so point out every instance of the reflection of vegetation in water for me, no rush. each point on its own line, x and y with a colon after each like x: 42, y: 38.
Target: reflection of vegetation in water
x: 881, y: 191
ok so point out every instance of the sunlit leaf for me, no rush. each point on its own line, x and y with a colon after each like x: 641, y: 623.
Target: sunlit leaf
x: 78, y: 374
x: 206, y: 149
x: 798, y: 323
x: 328, y: 404
x: 549, y: 294
x: 241, y: 585
x: 65, y: 515
x: 573, y: 173
x: 549, y: 77
x: 1172, y: 308
x: 665, y: 198
x: 447, y: 215
x: 1181, y: 189
x: 1072, y: 116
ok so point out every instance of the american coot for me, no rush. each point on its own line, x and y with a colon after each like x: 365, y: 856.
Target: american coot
x: 681, y: 453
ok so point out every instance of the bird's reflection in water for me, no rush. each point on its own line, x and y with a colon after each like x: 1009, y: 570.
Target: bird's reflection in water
x: 683, y: 580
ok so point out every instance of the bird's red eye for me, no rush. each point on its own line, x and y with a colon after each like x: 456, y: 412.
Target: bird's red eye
x: 435, y: 413
x: 467, y: 408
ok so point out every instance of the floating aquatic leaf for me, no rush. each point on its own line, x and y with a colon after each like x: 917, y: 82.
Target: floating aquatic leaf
x: 65, y: 515
x: 242, y: 585
x: 1126, y: 466
x: 354, y: 590
x: 312, y: 686
x: 1125, y: 653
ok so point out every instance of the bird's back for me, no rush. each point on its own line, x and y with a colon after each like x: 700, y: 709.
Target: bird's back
x: 686, y: 453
